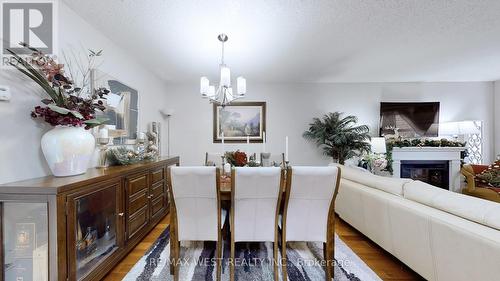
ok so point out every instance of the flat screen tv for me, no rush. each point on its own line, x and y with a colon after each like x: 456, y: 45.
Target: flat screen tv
x: 409, y: 120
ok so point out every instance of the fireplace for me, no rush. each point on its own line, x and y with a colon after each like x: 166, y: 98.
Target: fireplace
x: 434, y: 172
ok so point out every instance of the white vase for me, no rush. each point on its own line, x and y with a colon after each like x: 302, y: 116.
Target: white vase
x: 68, y: 150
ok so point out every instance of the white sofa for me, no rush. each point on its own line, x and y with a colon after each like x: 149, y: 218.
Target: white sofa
x: 441, y: 235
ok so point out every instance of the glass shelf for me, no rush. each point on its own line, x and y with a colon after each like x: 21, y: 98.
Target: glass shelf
x: 96, y: 231
x: 25, y: 241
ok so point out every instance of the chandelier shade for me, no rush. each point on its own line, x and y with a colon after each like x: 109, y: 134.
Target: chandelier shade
x: 241, y: 84
x: 223, y: 93
x: 225, y: 76
x: 204, y: 85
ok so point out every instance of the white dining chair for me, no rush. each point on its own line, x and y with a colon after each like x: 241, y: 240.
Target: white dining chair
x: 196, y: 210
x: 255, y: 200
x: 309, y: 210
x: 213, y: 159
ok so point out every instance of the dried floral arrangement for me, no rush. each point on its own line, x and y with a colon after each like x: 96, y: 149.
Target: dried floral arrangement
x: 122, y: 155
x: 236, y: 158
x: 66, y: 103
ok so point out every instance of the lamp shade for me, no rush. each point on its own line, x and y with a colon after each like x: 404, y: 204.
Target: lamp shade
x: 241, y: 83
x: 204, y: 85
x: 378, y: 145
x: 225, y: 76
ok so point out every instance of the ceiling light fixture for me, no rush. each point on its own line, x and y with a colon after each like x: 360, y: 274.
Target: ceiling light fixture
x: 224, y: 94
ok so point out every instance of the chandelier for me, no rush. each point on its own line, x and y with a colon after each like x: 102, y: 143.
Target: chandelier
x: 223, y: 94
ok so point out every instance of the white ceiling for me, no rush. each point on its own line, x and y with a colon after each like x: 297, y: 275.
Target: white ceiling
x: 307, y: 41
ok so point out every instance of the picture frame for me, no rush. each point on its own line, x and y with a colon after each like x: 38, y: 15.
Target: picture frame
x: 122, y: 107
x: 239, y: 120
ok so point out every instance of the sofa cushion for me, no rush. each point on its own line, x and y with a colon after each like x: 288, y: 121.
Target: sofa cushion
x: 390, y: 185
x: 467, y: 207
x: 478, y: 169
x: 491, y: 175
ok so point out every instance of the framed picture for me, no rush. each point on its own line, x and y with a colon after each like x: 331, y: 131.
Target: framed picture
x: 122, y: 107
x: 239, y: 120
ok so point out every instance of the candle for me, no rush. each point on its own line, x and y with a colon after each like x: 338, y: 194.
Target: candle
x: 222, y: 137
x: 227, y: 168
x: 263, y: 141
x: 286, y: 148
x: 103, y: 133
x: 248, y: 145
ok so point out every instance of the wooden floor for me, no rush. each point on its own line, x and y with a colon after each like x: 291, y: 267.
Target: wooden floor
x: 138, y: 252
x: 381, y: 262
x: 384, y: 264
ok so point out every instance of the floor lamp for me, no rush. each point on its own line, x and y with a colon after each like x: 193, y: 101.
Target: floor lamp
x: 167, y: 113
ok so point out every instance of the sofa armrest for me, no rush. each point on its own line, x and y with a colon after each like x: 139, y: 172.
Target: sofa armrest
x: 468, y: 172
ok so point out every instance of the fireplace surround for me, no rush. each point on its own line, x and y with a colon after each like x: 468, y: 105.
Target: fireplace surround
x: 450, y: 155
x: 434, y: 172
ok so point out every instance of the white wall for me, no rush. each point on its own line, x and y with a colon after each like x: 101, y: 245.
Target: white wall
x: 497, y: 118
x: 20, y: 154
x: 290, y: 107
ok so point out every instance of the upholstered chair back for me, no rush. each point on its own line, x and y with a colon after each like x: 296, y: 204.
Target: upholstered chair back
x: 256, y: 191
x: 194, y: 191
x: 309, y: 202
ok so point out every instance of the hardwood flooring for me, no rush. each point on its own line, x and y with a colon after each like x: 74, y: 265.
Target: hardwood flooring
x: 386, y: 266
x: 138, y: 252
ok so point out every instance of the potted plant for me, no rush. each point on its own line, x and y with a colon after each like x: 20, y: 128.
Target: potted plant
x: 69, y: 108
x: 340, y: 138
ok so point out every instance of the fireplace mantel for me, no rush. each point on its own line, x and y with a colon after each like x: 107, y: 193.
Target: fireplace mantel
x: 450, y: 154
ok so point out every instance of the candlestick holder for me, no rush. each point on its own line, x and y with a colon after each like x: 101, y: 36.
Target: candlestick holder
x: 223, y: 161
x: 140, y: 145
x: 102, y: 143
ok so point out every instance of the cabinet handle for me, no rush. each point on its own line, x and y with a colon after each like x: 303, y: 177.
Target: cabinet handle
x: 150, y: 196
x: 121, y: 214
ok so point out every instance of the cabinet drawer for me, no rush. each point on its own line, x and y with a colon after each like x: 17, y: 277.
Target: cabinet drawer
x: 137, y: 202
x: 157, y: 206
x: 136, y: 184
x: 157, y: 190
x: 157, y: 175
x: 137, y: 221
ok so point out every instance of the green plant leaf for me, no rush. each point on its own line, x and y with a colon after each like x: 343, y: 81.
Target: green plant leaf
x: 96, y: 121
x: 64, y: 111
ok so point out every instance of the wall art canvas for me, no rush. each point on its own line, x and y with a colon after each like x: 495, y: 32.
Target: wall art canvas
x: 409, y: 119
x: 122, y: 107
x: 239, y: 120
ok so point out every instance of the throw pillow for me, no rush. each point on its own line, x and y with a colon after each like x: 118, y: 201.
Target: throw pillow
x: 491, y: 176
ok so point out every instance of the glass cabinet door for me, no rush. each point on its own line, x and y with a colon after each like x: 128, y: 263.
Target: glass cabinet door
x: 95, y: 227
x: 25, y: 241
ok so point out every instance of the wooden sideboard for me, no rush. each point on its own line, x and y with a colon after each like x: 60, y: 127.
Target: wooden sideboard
x: 92, y: 220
